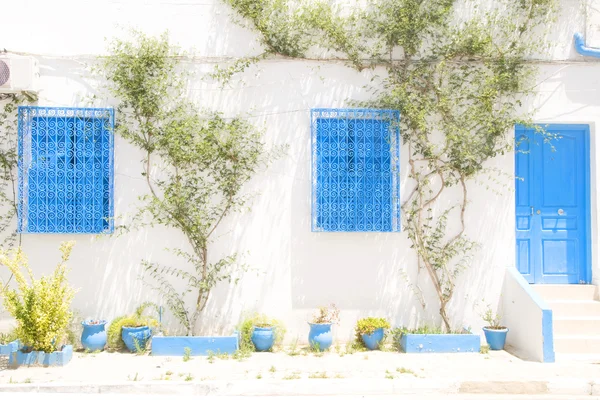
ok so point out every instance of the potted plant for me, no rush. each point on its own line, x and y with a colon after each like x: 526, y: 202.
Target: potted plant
x: 93, y: 337
x: 164, y: 344
x: 260, y: 333
x: 8, y: 343
x: 132, y: 331
x: 495, y: 334
x: 434, y: 339
x: 319, y: 336
x: 370, y: 331
x: 41, y: 308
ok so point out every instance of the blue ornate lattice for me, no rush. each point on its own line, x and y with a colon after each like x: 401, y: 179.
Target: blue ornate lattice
x: 355, y: 170
x: 65, y: 170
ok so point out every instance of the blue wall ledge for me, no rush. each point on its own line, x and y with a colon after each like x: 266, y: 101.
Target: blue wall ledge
x: 7, y: 349
x: 199, y: 345
x: 440, y: 343
x: 54, y: 359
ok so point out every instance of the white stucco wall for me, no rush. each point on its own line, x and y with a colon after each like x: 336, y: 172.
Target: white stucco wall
x: 294, y: 270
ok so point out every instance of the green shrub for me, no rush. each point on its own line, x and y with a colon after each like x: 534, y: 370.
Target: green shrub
x: 8, y: 337
x: 246, y: 328
x: 492, y: 319
x: 137, y: 319
x: 366, y: 326
x: 40, y: 306
x: 423, y: 330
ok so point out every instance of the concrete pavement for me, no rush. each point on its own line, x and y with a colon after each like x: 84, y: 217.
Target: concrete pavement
x: 61, y: 396
x: 369, y: 373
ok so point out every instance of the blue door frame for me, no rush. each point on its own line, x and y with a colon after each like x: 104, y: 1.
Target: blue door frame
x: 552, y: 204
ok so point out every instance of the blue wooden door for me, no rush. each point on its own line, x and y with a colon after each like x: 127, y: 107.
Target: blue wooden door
x: 552, y: 204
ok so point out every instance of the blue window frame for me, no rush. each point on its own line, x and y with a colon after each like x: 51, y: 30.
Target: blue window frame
x: 65, y: 170
x: 355, y: 170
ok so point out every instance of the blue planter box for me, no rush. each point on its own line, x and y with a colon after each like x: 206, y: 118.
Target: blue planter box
x: 445, y: 343
x: 56, y: 358
x: 6, y: 349
x: 199, y: 345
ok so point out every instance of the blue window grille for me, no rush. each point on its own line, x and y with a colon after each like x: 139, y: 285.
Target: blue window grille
x: 355, y: 170
x: 65, y: 170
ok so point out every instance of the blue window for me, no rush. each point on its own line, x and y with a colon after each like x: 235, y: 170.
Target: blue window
x: 355, y: 170
x: 65, y: 170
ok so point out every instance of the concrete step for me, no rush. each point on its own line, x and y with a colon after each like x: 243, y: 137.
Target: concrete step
x: 566, y: 292
x: 574, y: 308
x: 580, y: 344
x: 577, y: 326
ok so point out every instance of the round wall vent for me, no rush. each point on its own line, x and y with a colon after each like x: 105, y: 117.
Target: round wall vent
x: 4, y: 72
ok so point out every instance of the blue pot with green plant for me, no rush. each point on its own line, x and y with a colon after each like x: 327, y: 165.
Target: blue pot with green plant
x: 373, y: 340
x: 320, y: 336
x: 371, y: 331
x: 495, y: 333
x: 495, y: 336
x: 263, y: 338
x: 93, y: 337
x: 136, y: 337
x: 41, y: 306
x: 132, y: 331
x: 259, y: 332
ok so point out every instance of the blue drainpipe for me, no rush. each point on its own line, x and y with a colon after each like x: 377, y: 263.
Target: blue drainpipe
x: 582, y: 49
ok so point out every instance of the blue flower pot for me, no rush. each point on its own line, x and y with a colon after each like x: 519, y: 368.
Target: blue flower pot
x: 495, y: 338
x: 136, y: 338
x: 93, y: 337
x: 263, y: 338
x: 373, y: 340
x: 320, y: 336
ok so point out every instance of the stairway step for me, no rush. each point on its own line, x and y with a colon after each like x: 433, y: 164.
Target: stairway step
x: 574, y: 308
x: 580, y: 344
x: 566, y: 292
x: 576, y: 326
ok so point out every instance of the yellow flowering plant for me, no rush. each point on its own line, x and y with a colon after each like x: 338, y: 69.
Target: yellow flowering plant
x: 40, y: 306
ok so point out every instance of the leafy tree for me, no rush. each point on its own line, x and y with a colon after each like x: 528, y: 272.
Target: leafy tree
x: 9, y: 163
x: 195, y: 164
x: 457, y: 71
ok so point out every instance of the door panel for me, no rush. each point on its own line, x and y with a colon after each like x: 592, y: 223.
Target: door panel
x: 524, y: 258
x: 559, y: 171
x: 523, y: 169
x: 552, y: 204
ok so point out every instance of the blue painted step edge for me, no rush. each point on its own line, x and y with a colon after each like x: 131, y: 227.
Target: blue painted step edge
x: 444, y: 343
x: 199, y: 345
x: 54, y: 359
x: 6, y: 349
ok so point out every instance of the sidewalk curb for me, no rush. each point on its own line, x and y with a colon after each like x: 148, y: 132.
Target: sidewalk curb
x: 271, y: 387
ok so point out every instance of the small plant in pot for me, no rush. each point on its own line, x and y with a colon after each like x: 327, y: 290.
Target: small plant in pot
x: 260, y: 333
x: 93, y: 337
x: 8, y: 343
x: 495, y: 334
x: 6, y: 338
x: 132, y: 331
x: 371, y: 331
x: 320, y: 337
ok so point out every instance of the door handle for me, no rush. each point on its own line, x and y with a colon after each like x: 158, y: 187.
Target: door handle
x: 531, y: 211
